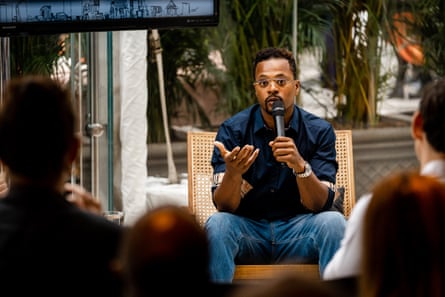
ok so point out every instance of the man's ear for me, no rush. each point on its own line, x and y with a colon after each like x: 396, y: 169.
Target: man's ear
x: 417, y: 126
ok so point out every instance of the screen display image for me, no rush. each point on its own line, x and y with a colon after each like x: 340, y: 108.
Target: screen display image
x: 41, y: 17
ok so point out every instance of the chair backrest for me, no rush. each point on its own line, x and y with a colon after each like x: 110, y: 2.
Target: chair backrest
x: 200, y: 172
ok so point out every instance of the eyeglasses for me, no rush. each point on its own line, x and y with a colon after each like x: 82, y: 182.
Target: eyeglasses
x: 264, y: 83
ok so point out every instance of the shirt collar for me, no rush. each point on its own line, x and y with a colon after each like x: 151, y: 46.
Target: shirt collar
x: 435, y: 168
x: 260, y: 125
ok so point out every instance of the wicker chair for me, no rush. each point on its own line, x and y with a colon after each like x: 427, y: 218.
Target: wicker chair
x: 199, y: 150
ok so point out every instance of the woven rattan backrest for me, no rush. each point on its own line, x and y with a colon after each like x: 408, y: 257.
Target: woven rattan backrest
x: 200, y: 172
x: 345, y: 173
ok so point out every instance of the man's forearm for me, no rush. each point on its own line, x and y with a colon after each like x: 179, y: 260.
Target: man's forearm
x: 313, y: 193
x: 227, y: 195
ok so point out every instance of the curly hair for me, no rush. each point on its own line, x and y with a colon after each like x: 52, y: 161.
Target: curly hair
x: 273, y: 52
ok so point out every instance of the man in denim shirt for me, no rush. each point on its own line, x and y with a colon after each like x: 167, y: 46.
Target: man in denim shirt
x: 273, y: 193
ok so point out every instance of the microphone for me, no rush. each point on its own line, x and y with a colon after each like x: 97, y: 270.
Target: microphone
x: 278, y: 117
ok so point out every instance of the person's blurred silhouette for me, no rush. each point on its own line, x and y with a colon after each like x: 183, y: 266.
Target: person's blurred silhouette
x: 48, y: 245
x: 407, y: 44
x: 404, y: 238
x: 428, y: 133
x: 419, y: 74
x: 166, y: 252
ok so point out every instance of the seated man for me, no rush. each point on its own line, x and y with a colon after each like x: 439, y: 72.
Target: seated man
x: 273, y: 193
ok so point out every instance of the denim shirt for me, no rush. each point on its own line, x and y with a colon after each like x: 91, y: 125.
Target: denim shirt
x: 273, y: 191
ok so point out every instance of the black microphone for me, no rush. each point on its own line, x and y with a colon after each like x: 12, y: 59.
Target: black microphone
x: 278, y: 116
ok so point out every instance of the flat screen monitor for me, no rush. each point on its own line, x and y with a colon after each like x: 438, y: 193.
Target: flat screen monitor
x: 49, y: 17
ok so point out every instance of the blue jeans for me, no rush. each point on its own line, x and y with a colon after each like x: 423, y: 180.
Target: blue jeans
x: 305, y: 238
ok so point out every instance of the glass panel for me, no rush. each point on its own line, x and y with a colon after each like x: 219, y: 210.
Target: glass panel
x: 99, y: 122
x: 83, y: 62
x: 80, y: 56
x: 91, y: 54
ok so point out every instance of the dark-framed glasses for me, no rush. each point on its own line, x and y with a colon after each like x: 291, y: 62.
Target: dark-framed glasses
x: 264, y: 83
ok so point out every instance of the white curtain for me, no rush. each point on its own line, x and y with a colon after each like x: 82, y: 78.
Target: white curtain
x: 133, y: 122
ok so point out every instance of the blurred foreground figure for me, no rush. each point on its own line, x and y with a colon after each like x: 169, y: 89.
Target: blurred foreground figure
x: 166, y: 252
x: 428, y: 133
x: 48, y: 245
x: 404, y: 238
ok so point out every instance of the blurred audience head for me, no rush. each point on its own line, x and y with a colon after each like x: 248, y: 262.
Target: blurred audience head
x: 166, y: 251
x: 404, y: 238
x: 37, y: 129
x: 429, y: 119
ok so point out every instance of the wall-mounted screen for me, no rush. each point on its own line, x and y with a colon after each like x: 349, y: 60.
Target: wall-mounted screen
x: 48, y: 17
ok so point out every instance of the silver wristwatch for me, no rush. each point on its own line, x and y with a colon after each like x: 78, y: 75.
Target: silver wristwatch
x: 307, y: 171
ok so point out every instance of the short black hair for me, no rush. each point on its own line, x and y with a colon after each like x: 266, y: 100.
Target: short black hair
x: 37, y: 127
x: 274, y: 52
x: 432, y: 110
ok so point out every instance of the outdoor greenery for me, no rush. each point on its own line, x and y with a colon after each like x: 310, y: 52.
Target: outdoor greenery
x: 350, y: 34
x: 431, y: 25
x: 33, y: 54
x: 358, y: 29
x: 245, y: 27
